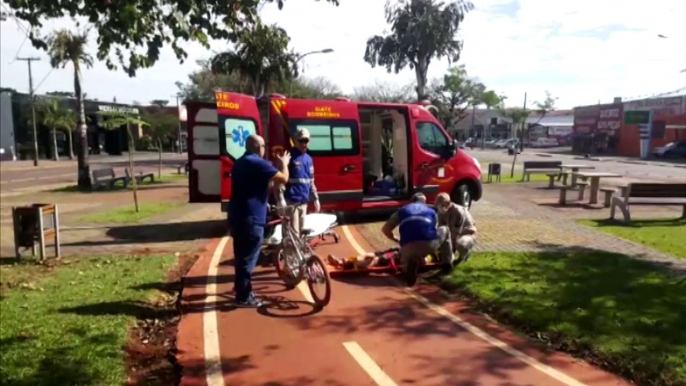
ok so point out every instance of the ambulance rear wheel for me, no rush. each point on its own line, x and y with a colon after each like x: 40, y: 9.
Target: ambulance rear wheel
x: 462, y: 195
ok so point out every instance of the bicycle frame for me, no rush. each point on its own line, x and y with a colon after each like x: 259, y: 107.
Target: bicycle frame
x: 302, y: 248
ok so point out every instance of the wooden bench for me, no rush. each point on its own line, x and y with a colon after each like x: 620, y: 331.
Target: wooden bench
x: 649, y: 194
x: 540, y: 167
x: 182, y: 166
x: 141, y: 176
x: 105, y: 178
x: 608, y: 193
x: 581, y: 187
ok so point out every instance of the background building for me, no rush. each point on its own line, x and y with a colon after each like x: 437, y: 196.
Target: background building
x: 600, y: 129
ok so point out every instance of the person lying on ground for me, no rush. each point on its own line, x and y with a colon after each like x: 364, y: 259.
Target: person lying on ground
x: 367, y: 260
x: 420, y: 236
x: 461, y: 224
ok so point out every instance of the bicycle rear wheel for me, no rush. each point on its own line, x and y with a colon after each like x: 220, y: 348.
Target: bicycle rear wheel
x: 317, y: 273
x: 291, y: 279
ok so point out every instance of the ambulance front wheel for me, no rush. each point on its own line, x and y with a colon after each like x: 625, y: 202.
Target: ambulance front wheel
x: 462, y: 195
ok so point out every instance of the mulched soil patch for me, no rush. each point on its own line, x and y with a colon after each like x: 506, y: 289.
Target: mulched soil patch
x: 151, y: 351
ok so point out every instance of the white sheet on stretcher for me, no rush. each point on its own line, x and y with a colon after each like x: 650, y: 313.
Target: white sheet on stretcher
x: 317, y: 222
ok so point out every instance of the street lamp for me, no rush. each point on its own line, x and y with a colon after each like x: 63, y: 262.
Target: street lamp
x: 300, y: 57
x: 661, y: 36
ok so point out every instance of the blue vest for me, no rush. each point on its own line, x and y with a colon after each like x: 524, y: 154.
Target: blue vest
x: 300, y: 177
x: 417, y: 223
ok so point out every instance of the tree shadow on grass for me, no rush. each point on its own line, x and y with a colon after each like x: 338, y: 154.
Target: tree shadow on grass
x: 64, y: 364
x: 159, y: 233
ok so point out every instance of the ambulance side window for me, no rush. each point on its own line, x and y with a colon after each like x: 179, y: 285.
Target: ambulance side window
x: 330, y: 138
x: 431, y: 138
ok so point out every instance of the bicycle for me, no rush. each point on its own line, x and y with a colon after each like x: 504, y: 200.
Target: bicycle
x: 296, y: 260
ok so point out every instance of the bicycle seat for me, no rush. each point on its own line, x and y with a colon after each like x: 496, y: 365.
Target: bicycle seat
x: 307, y: 232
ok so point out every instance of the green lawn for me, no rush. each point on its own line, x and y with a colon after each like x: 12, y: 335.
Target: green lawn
x: 166, y: 179
x: 128, y: 214
x: 68, y: 326
x: 608, y: 308
x: 506, y: 179
x: 665, y: 235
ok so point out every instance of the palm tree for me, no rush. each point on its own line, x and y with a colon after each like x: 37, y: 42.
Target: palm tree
x: 65, y: 47
x: 261, y: 55
x: 57, y: 118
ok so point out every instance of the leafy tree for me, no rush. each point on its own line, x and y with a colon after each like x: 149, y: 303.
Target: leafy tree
x: 261, y: 56
x: 454, y: 95
x: 161, y: 126
x: 384, y: 92
x: 115, y: 120
x: 56, y: 118
x: 140, y: 28
x: 518, y: 117
x: 65, y: 47
x: 159, y: 102
x: 421, y: 30
x: 202, y: 84
x: 314, y: 88
x: 545, y: 107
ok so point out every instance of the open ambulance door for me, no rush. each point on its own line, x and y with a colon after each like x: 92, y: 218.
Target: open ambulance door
x: 238, y: 117
x: 203, y: 152
x: 430, y: 147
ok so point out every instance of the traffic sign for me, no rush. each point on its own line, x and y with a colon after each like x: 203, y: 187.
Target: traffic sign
x: 637, y: 117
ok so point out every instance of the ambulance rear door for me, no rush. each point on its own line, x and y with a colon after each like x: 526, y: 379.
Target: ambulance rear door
x: 238, y: 117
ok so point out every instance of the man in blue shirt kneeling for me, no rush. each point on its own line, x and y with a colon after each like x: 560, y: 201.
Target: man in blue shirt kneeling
x: 419, y: 236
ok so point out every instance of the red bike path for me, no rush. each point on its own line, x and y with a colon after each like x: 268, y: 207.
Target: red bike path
x: 374, y: 332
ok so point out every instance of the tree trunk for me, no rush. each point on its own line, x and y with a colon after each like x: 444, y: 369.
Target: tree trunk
x: 134, y: 185
x: 84, y: 180
x: 55, y: 155
x: 420, y: 71
x: 159, y: 157
x: 71, y: 144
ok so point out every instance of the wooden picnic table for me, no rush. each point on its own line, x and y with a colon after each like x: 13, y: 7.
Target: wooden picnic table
x: 575, y: 168
x: 595, y: 182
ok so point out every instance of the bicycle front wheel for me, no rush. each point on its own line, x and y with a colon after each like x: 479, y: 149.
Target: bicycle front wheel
x: 289, y: 277
x: 318, y: 276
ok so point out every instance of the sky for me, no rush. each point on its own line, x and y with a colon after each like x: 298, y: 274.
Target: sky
x: 581, y: 51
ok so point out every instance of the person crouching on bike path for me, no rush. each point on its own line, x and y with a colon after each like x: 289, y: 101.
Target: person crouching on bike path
x: 251, y: 178
x: 461, y: 224
x: 300, y: 187
x: 419, y: 236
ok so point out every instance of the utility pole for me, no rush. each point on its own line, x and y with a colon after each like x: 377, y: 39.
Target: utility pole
x: 178, y: 111
x: 33, y: 108
x: 521, y: 141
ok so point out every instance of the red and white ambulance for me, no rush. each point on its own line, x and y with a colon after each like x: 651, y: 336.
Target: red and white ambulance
x: 366, y: 155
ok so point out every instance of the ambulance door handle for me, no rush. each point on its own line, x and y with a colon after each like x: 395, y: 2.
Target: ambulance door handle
x: 227, y: 174
x: 423, y: 165
x: 348, y: 168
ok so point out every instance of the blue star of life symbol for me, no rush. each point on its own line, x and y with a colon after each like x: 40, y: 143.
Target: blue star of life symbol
x: 240, y: 136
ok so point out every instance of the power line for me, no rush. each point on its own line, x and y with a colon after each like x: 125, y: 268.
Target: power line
x: 44, y: 78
